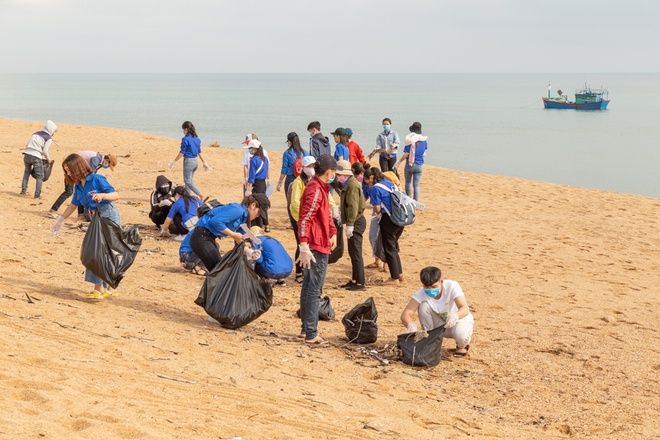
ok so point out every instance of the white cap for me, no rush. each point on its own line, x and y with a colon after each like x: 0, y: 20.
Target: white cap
x: 254, y: 143
x: 308, y: 160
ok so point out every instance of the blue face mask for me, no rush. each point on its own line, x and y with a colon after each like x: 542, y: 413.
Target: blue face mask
x: 311, y: 135
x: 331, y: 180
x: 386, y: 127
x: 433, y: 293
x: 105, y: 165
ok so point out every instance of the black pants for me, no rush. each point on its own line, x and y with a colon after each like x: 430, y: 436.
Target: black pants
x: 387, y: 164
x: 68, y: 191
x: 259, y: 186
x: 202, y: 243
x: 355, y: 250
x: 294, y: 224
x: 158, y: 214
x: 390, y: 233
x: 180, y: 229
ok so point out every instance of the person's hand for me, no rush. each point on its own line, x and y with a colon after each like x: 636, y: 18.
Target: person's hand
x: 412, y: 327
x: 267, y: 183
x: 238, y: 238
x: 171, y: 165
x: 248, y: 192
x: 256, y: 254
x: 397, y: 164
x: 98, y: 197
x: 333, y: 242
x: 245, y: 182
x: 164, y: 233
x: 349, y: 231
x: 165, y: 202
x: 279, y: 186
x: 207, y: 167
x: 452, y: 320
x: 335, y: 213
x: 306, y: 257
x: 58, y: 224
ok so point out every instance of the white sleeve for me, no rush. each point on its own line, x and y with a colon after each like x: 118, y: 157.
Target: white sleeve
x: 44, y: 152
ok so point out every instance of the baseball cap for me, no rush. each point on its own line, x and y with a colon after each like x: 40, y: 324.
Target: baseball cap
x: 339, y: 132
x: 249, y: 137
x: 348, y: 131
x: 254, y: 143
x: 325, y: 162
x: 308, y: 160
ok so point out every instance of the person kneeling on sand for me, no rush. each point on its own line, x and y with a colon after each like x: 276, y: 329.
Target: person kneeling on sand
x: 441, y: 302
x: 188, y: 259
x: 271, y: 259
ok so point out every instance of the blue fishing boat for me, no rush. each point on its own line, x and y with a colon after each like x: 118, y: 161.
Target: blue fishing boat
x: 585, y: 99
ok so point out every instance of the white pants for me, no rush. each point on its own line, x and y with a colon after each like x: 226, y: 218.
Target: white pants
x: 461, y: 332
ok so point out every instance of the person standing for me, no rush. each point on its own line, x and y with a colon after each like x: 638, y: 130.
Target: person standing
x: 191, y: 148
x: 289, y: 158
x: 413, y: 157
x: 318, y: 235
x: 35, y: 152
x: 355, y: 153
x: 247, y: 155
x: 258, y: 177
x: 318, y: 144
x: 341, y: 139
x: 387, y: 143
x: 352, y: 209
x: 94, y: 193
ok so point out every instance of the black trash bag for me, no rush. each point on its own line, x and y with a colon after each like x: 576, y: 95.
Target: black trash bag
x: 48, y: 170
x: 426, y: 352
x: 360, y: 323
x: 233, y: 293
x: 337, y: 252
x: 108, y: 250
x: 326, y: 312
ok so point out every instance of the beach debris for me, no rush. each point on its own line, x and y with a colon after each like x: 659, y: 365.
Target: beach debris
x: 214, y: 144
x: 175, y: 378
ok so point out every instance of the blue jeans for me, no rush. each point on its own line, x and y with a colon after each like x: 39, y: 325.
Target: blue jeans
x: 109, y: 212
x: 38, y: 165
x: 413, y: 175
x: 374, y: 231
x: 258, y: 268
x: 310, y: 294
x: 189, y: 167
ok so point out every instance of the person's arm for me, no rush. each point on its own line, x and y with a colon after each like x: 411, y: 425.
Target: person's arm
x: 238, y: 238
x: 105, y: 196
x: 296, y: 193
x: 408, y: 314
x: 463, y: 309
x: 201, y: 157
x: 45, y: 152
x: 352, y: 201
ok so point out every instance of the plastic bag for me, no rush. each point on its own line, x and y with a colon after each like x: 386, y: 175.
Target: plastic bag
x: 48, y: 170
x: 233, y: 293
x: 424, y: 353
x: 360, y: 323
x: 108, y: 250
x: 326, y: 312
x: 338, y: 251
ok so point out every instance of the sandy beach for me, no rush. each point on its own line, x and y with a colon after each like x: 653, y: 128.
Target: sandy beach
x: 563, y: 283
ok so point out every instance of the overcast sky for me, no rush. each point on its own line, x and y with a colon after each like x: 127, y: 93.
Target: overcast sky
x: 215, y: 36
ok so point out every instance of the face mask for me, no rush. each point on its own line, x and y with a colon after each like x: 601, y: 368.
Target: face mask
x: 164, y: 189
x: 432, y: 292
x: 386, y: 127
x: 309, y: 171
x: 332, y: 179
x: 311, y: 135
x: 105, y: 165
x: 342, y: 179
x: 360, y: 178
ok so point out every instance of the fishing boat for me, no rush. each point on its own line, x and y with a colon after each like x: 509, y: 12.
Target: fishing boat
x: 585, y: 99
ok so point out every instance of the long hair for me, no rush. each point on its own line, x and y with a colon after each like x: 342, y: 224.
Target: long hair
x: 187, y: 197
x: 374, y: 171
x: 357, y: 169
x: 78, y: 168
x: 295, y: 143
x: 260, y: 153
x: 344, y: 140
x: 190, y: 127
x: 247, y: 201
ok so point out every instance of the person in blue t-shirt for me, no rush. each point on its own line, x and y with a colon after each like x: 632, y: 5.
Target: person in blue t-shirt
x: 94, y: 193
x: 381, y: 200
x: 258, y: 177
x: 183, y: 209
x: 271, y: 259
x: 341, y: 139
x: 188, y: 259
x: 413, y: 156
x: 191, y: 148
x: 224, y: 221
x: 289, y: 157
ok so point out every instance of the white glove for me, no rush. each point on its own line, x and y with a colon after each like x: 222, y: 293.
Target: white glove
x: 256, y: 254
x: 249, y: 253
x: 412, y: 327
x: 349, y: 231
x: 279, y: 186
x: 207, y: 167
x: 58, y: 224
x: 166, y: 202
x: 452, y: 320
x: 164, y: 233
x: 171, y: 165
x: 335, y: 213
x: 306, y: 257
x: 267, y: 182
x: 248, y: 192
x: 397, y: 163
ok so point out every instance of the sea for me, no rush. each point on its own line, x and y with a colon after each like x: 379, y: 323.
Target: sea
x: 484, y: 123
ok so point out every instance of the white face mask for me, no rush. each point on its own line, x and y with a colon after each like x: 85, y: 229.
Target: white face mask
x: 309, y: 171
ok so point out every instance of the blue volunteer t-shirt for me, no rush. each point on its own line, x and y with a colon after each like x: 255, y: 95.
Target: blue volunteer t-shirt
x: 179, y: 207
x: 341, y: 150
x: 229, y: 216
x: 94, y: 183
x: 256, y: 165
x: 288, y: 159
x: 419, y: 152
x: 185, y: 244
x: 274, y: 259
x: 191, y: 146
x: 381, y: 196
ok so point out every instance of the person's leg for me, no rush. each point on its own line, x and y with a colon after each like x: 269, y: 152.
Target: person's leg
x: 294, y: 225
x: 355, y: 250
x: 189, y: 168
x: 39, y: 171
x: 461, y: 332
x: 259, y: 187
x: 408, y: 173
x: 288, y: 181
x: 178, y: 225
x: 26, y: 173
x: 383, y: 162
x: 417, y: 177
x: 310, y: 294
x: 202, y: 244
x: 68, y: 191
x: 399, y: 231
x: 428, y: 318
x: 388, y: 232
x: 374, y: 232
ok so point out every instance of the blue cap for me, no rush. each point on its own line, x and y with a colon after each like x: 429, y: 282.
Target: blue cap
x: 348, y: 131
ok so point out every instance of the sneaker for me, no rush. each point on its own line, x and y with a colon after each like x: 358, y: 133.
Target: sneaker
x: 347, y: 285
x: 179, y: 238
x: 280, y: 283
x: 94, y: 294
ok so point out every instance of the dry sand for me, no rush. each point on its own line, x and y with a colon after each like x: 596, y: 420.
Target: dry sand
x: 562, y: 281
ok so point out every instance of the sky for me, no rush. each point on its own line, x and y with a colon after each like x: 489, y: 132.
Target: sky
x: 329, y: 36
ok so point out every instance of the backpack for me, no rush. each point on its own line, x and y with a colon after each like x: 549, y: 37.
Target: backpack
x: 403, y: 207
x: 297, y: 165
x: 201, y: 210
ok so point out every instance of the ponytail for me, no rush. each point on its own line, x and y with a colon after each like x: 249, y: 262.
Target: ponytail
x: 190, y: 127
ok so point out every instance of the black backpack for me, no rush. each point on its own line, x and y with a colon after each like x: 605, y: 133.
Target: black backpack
x: 207, y: 206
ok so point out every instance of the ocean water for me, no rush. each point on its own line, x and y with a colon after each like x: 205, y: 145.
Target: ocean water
x: 486, y: 123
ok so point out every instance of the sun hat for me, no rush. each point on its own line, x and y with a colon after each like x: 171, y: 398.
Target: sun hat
x: 308, y: 160
x: 344, y: 168
x: 254, y: 143
x: 416, y: 127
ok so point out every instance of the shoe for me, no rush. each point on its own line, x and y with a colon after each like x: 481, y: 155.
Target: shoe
x: 108, y: 294
x: 179, y: 237
x: 348, y: 285
x: 266, y: 229
x: 23, y: 193
x: 52, y: 214
x: 357, y: 287
x: 38, y: 198
x: 94, y: 294
x: 462, y: 355
x: 280, y: 283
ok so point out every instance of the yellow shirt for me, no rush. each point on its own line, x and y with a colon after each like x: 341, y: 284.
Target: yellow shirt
x: 297, y: 188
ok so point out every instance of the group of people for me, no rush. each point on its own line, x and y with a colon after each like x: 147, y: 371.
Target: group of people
x: 309, y: 179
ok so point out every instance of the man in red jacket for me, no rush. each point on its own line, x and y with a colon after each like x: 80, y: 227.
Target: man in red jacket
x: 318, y: 235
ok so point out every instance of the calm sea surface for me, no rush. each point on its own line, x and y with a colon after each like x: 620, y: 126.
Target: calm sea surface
x: 486, y: 123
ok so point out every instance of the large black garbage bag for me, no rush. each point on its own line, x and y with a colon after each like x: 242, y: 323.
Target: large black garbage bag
x: 48, y: 170
x: 424, y: 353
x: 108, y: 250
x: 233, y: 293
x: 337, y: 252
x: 360, y: 323
x: 326, y: 312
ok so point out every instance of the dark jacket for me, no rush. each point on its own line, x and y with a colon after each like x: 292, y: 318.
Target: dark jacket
x: 352, y: 202
x: 158, y: 214
x: 319, y: 145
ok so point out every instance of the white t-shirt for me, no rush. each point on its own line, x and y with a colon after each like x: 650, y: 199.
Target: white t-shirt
x: 445, y: 304
x: 246, y: 157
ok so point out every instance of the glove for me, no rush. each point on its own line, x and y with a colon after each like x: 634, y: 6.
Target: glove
x: 171, y: 165
x: 267, y: 182
x: 412, y: 327
x: 279, y: 186
x: 58, y: 224
x: 335, y: 213
x: 349, y: 231
x: 207, y: 167
x: 256, y: 254
x: 397, y: 163
x: 452, y: 320
x: 248, y: 192
x: 165, y: 202
x: 306, y: 257
x: 164, y: 233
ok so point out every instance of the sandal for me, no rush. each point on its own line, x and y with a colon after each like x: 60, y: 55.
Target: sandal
x: 266, y: 229
x: 316, y: 341
x: 372, y: 266
x: 198, y: 271
x: 299, y: 278
x: 462, y: 355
